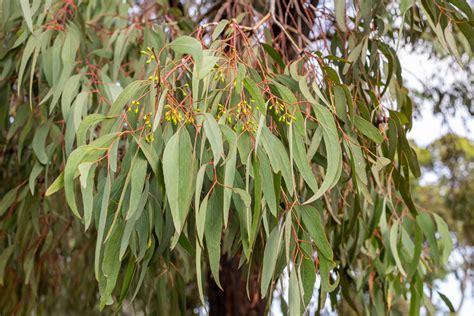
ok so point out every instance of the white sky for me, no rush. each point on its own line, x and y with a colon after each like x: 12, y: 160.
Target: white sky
x: 428, y: 127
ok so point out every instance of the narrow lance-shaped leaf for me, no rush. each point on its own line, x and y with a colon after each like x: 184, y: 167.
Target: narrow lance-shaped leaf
x: 213, y: 134
x: 312, y: 220
x: 89, y: 152
x: 39, y: 142
x: 139, y: 169
x: 369, y: 130
x: 229, y: 174
x: 178, y: 171
x: 394, y: 247
x: 270, y: 256
x: 331, y: 140
x: 213, y: 231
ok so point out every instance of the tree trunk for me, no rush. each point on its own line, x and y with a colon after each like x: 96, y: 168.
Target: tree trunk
x: 233, y: 300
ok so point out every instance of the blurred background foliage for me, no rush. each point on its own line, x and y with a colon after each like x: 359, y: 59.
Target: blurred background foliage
x: 448, y: 189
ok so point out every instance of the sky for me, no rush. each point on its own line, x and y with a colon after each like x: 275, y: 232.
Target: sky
x: 416, y: 68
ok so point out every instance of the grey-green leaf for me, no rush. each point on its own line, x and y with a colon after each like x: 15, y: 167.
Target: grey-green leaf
x: 178, y: 171
x: 213, y: 134
x: 270, y: 256
x: 138, y: 176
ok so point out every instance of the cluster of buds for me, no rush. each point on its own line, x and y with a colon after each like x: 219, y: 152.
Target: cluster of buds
x: 147, y: 118
x: 153, y: 77
x: 249, y: 126
x: 149, y: 53
x: 278, y: 107
x: 282, y: 112
x: 218, y: 75
x: 221, y: 110
x: 172, y: 115
x: 244, y: 108
x: 135, y: 103
x: 286, y: 118
x: 149, y: 137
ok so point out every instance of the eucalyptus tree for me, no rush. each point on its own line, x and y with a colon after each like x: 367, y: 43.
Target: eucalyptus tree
x: 174, y: 157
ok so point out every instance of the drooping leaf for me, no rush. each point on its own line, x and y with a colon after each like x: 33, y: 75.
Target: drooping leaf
x: 213, y: 134
x: 312, y: 220
x: 139, y: 171
x: 270, y: 256
x: 368, y: 129
x: 178, y: 171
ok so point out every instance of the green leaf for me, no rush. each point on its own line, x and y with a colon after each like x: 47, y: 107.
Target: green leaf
x: 178, y: 171
x: 340, y: 10
x: 308, y: 278
x: 35, y: 172
x: 199, y: 273
x: 57, y: 185
x: 219, y: 29
x: 331, y: 140
x: 188, y: 45
x: 213, y: 134
x: 300, y: 157
x: 312, y: 220
x: 278, y: 156
x: 294, y: 295
x: 427, y: 226
x: 90, y: 152
x: 340, y: 103
x: 101, y: 225
x: 30, y: 47
x: 39, y: 142
x: 394, y: 247
x: 213, y: 231
x: 274, y: 54
x: 268, y: 186
x: 25, y: 7
x: 270, y: 256
x: 84, y: 169
x: 123, y: 99
x: 451, y: 41
x: 255, y: 93
x: 111, y: 264
x: 73, y: 162
x: 447, y: 302
x: 446, y: 242
x: 69, y: 92
x: 369, y: 130
x: 149, y: 150
x: 4, y: 256
x: 85, y: 125
x: 229, y: 175
x: 87, y: 191
x: 70, y: 45
x: 139, y: 168
x: 159, y: 111
x: 325, y: 267
x: 405, y: 5
x: 201, y: 216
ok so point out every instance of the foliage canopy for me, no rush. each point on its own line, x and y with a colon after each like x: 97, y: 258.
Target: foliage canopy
x: 176, y: 141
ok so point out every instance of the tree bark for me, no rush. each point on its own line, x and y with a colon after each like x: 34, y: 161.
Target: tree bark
x: 233, y: 299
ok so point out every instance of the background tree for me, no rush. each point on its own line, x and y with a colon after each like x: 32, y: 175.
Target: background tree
x: 215, y: 145
x: 451, y: 158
